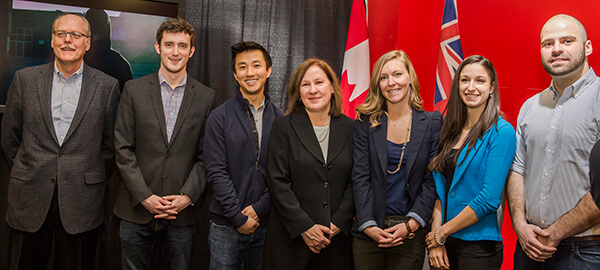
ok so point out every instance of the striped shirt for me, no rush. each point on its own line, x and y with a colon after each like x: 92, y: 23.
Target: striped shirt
x: 171, y: 99
x: 64, y: 100
x: 555, y: 135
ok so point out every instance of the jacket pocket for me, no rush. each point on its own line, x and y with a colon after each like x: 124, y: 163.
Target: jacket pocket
x: 94, y: 178
x: 19, y: 174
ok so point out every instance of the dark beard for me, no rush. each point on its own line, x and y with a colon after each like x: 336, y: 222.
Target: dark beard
x: 570, y: 68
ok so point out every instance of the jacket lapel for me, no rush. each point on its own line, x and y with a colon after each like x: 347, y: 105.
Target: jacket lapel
x: 186, y: 103
x: 45, y: 96
x: 461, y: 166
x: 155, y: 96
x: 380, y: 141
x: 303, y: 128
x: 337, y: 130
x: 418, y: 129
x: 88, y: 89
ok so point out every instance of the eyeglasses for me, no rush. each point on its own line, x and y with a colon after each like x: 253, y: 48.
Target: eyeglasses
x: 63, y: 34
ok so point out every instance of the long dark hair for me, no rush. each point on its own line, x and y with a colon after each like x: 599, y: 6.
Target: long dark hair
x: 456, y: 115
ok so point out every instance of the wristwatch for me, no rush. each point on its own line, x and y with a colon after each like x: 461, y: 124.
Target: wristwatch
x: 411, y: 234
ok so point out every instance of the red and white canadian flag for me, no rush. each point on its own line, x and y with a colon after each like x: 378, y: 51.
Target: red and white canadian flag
x: 356, y: 68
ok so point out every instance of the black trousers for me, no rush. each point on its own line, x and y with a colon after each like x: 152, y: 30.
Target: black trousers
x: 51, y: 247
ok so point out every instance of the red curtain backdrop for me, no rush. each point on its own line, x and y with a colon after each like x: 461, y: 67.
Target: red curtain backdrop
x: 505, y: 31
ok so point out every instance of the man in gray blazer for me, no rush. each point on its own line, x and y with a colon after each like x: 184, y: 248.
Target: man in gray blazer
x: 57, y: 135
x: 158, y: 140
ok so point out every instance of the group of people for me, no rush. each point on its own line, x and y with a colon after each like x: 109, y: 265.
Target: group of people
x: 309, y: 188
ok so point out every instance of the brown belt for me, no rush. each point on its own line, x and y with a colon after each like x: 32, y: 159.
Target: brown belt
x: 584, y: 238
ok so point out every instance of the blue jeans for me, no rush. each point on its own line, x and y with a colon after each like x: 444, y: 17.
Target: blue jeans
x: 138, y: 241
x: 230, y: 249
x: 569, y: 255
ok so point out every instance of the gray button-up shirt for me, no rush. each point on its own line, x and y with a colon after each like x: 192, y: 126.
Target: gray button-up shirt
x: 555, y: 135
x: 171, y: 99
x: 65, y: 97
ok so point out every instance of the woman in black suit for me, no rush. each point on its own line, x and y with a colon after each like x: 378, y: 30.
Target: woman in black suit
x: 309, y: 161
x: 394, y: 140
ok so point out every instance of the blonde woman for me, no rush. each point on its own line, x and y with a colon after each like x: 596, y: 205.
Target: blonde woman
x: 394, y: 140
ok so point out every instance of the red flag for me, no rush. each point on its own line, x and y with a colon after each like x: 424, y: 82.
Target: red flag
x: 356, y: 68
x: 450, y: 55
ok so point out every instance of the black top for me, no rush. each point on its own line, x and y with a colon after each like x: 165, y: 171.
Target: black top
x: 595, y: 172
x: 449, y: 175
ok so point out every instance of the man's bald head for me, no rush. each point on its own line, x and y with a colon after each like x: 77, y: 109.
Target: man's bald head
x: 564, y: 20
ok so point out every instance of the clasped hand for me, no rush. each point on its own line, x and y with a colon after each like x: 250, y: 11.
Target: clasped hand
x: 537, y: 243
x: 390, y: 237
x: 251, y: 223
x: 316, y: 239
x: 166, y: 207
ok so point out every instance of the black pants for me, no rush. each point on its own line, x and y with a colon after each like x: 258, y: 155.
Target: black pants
x: 476, y: 255
x: 51, y: 247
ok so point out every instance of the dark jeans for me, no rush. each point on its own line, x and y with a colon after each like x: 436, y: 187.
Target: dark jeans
x: 138, y: 242
x: 409, y: 255
x: 230, y: 250
x: 569, y: 255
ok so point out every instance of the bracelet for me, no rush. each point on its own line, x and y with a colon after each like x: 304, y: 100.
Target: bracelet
x: 436, y: 237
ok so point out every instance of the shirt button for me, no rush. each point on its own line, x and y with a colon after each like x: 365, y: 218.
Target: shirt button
x: 325, y: 205
x: 452, y: 195
x: 553, y: 127
x: 62, y: 119
x: 326, y: 185
x: 171, y: 113
x: 65, y: 101
x: 66, y: 84
x: 546, y: 174
x: 543, y: 222
x: 544, y: 198
x: 62, y: 137
x: 549, y: 150
x: 560, y: 106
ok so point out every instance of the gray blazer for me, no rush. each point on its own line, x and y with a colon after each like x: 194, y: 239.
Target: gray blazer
x: 147, y: 162
x: 38, y: 164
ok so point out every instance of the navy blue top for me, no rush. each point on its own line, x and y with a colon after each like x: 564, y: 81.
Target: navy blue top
x: 233, y: 167
x: 396, y: 202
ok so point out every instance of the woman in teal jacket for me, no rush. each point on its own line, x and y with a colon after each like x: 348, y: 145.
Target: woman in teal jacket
x: 476, y: 150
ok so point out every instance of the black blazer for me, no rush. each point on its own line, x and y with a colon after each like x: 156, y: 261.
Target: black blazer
x: 369, y: 176
x: 148, y: 163
x: 306, y: 190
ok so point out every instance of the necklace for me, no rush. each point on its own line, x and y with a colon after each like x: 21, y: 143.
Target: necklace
x: 324, y: 137
x: 403, y: 146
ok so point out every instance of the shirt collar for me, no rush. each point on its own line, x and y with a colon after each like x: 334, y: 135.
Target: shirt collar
x: 580, y: 85
x: 79, y: 71
x: 162, y: 80
x: 249, y: 105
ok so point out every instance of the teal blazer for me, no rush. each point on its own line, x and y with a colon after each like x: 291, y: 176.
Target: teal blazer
x: 479, y: 181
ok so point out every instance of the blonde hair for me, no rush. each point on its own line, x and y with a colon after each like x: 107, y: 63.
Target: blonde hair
x: 375, y: 103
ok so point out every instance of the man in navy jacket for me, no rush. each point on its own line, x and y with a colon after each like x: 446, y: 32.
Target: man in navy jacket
x: 237, y: 134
